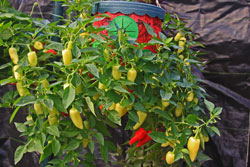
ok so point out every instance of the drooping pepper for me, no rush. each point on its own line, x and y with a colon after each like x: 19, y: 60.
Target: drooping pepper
x: 112, y: 107
x: 85, y: 142
x: 177, y: 36
x: 139, y: 135
x: 51, y: 51
x: 13, y: 55
x: 67, y: 56
x: 120, y: 109
x: 131, y: 74
x: 193, y: 146
x: 38, y: 107
x: 21, y: 89
x: 164, y: 104
x: 178, y: 109
x: 32, y: 58
x: 53, y: 112
x: 170, y: 157
x: 181, y: 44
x: 190, y: 96
x: 53, y: 120
x: 76, y: 118
x: 38, y: 45
x: 101, y: 86
x: 145, y: 140
x: 142, y: 116
x: 86, y: 124
x: 116, y: 73
x: 17, y: 75
x: 45, y: 83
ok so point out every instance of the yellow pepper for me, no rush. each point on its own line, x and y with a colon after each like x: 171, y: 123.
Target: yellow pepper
x: 21, y: 89
x: 132, y: 73
x: 38, y: 107
x: 76, y: 118
x: 32, y: 58
x: 170, y: 157
x: 38, y: 45
x: 17, y: 75
x: 116, y: 73
x: 13, y: 55
x: 142, y: 116
x: 193, y: 146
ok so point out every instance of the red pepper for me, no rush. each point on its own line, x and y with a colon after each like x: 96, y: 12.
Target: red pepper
x: 146, y: 139
x: 121, y: 60
x: 90, y: 75
x: 52, y: 51
x: 65, y: 114
x: 131, y: 91
x: 139, y: 135
x: 101, y: 106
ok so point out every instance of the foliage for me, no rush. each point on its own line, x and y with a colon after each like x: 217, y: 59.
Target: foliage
x: 165, y: 89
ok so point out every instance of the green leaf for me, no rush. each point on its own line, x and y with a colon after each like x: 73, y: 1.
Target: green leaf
x: 76, y: 80
x: 101, y: 127
x: 119, y: 88
x: 99, y: 137
x: 132, y: 115
x: 139, y: 106
x: 165, y: 95
x: 184, y: 150
x: 97, y: 37
x: 162, y: 113
x: 150, y: 30
x: 93, y: 70
x: 57, y: 102
x: 91, y: 105
x: 20, y: 127
x: 72, y: 145
x: 217, y: 111
x: 91, y: 146
x: 68, y: 96
x: 158, y: 137
x: 14, y: 114
x: 53, y: 130
x: 209, y: 105
x: 202, y: 157
x: 113, y: 96
x: 5, y: 66
x: 114, y: 117
x: 49, y: 103
x: 192, y: 118
x: 76, y: 51
x: 46, y: 152
x: 69, y: 133
x: 56, y: 146
x: 68, y: 157
x: 104, y: 152
x: 37, y: 146
x: 178, y: 155
x: 26, y: 100
x: 216, y: 130
x: 19, y: 153
x: 6, y: 81
x: 55, y: 45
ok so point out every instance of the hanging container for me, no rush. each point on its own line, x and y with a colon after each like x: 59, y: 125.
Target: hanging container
x: 130, y: 16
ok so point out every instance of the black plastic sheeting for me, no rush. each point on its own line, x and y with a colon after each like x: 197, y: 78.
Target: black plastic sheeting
x: 224, y: 29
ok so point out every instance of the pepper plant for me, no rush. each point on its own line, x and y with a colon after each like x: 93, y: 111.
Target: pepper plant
x: 77, y: 89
